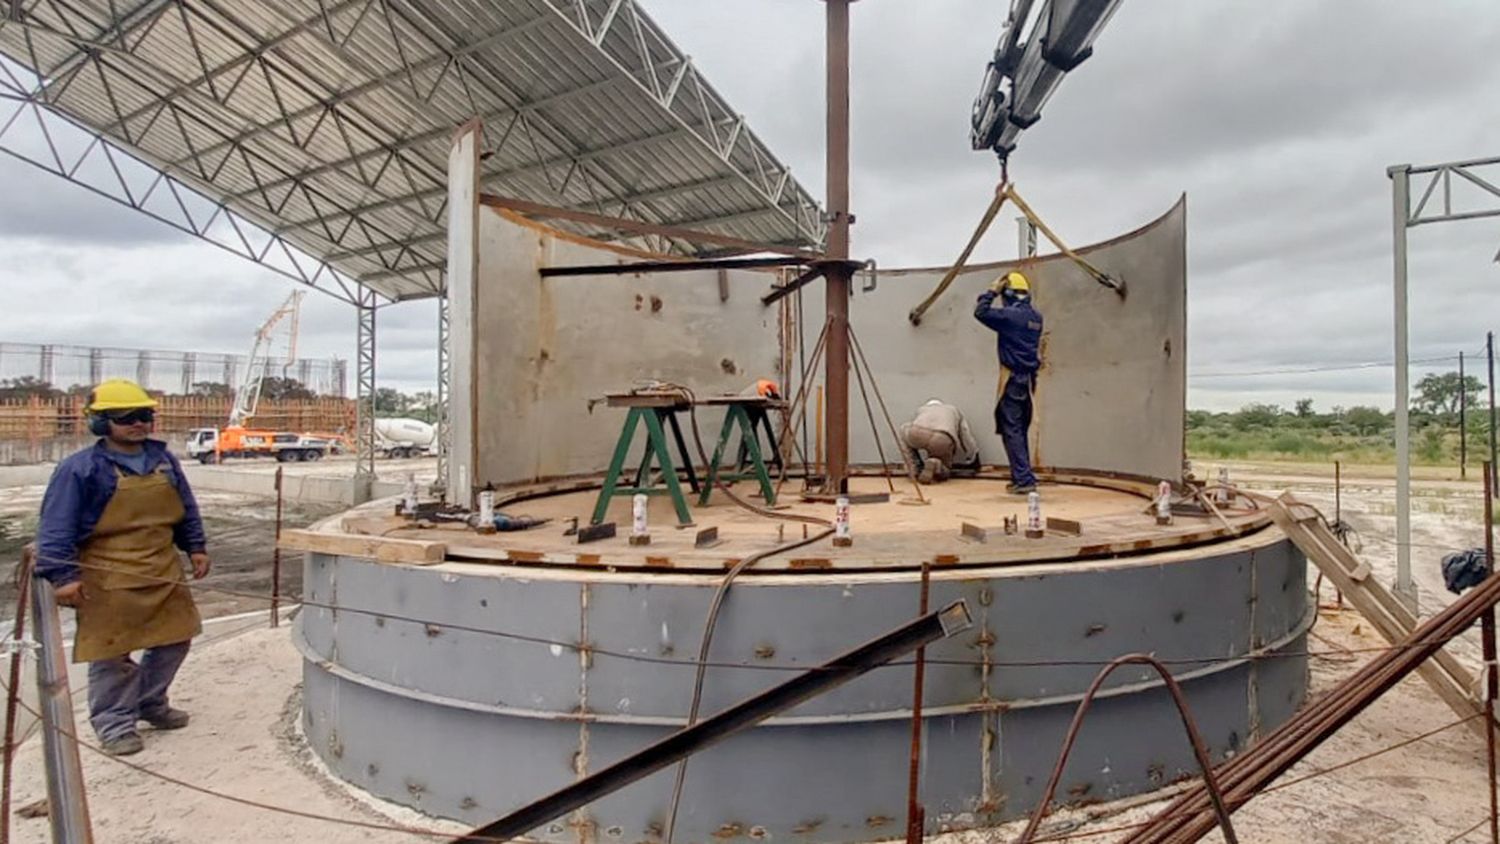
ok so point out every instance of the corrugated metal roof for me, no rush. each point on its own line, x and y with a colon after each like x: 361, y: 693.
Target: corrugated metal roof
x: 327, y: 122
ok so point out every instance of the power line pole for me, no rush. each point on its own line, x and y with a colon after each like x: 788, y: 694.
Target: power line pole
x: 1463, y: 421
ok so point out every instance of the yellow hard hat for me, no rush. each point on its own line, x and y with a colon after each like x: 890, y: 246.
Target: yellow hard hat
x: 118, y: 394
x: 1016, y: 282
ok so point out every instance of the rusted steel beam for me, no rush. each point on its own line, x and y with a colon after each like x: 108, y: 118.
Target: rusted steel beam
x: 836, y: 358
x: 925, y: 630
x: 671, y: 266
x: 537, y: 209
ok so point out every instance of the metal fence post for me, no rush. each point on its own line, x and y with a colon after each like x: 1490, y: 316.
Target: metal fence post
x: 67, y: 801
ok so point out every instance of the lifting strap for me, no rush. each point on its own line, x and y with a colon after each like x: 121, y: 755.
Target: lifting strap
x: 1004, y: 191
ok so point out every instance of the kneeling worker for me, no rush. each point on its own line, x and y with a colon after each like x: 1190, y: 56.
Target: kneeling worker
x: 112, y: 522
x: 940, y: 441
x: 1019, y: 329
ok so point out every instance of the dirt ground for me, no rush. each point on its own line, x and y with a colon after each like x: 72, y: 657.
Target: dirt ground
x: 241, y: 531
x: 243, y: 741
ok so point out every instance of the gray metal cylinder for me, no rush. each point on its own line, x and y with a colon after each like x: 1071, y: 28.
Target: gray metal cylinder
x: 467, y: 725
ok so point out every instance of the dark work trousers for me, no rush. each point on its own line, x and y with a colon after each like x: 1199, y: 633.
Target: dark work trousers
x: 1013, y: 422
x: 122, y: 691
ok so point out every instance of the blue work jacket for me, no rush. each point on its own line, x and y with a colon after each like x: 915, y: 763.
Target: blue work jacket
x: 1018, y: 327
x: 80, y: 488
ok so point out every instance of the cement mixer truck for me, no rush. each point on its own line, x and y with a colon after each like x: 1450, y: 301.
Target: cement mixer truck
x: 404, y: 438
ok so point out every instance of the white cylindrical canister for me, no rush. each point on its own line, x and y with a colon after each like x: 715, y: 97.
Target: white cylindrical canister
x: 841, y: 518
x: 1163, y: 502
x: 409, y: 504
x: 1033, y: 513
x: 638, y: 511
x: 486, y: 508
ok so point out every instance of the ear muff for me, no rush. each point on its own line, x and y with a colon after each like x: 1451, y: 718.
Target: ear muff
x: 98, y: 425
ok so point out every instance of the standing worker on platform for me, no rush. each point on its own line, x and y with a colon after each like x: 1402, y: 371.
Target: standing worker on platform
x: 112, y: 522
x: 1019, y: 329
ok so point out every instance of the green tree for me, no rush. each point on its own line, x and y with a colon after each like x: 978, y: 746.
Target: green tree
x: 390, y: 401
x: 276, y: 388
x: 1439, y: 394
x: 1304, y: 408
x: 1256, y: 416
x: 27, y: 386
x: 211, y: 389
x: 1366, y: 421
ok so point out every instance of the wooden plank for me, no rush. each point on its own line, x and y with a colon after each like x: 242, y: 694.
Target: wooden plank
x: 1067, y: 527
x: 1447, y: 677
x: 380, y: 549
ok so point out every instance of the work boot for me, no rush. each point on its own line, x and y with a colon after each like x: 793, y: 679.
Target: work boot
x: 124, y: 745
x: 1020, y: 489
x: 929, y: 472
x: 169, y: 719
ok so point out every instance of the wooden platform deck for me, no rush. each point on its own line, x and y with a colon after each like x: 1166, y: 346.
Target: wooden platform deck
x: 1088, y: 518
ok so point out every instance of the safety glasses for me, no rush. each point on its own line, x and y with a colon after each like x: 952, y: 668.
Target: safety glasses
x: 132, y: 417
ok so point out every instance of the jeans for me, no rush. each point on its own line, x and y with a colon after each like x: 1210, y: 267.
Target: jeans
x: 122, y: 692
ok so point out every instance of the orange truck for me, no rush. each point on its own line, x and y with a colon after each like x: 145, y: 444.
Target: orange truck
x: 212, y: 445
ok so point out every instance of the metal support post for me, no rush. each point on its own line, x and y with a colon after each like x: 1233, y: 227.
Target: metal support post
x: 916, y: 815
x: 1463, y: 421
x: 1487, y: 633
x: 364, y: 397
x: 1405, y: 587
x: 68, y: 807
x: 444, y: 382
x: 276, y: 556
x: 96, y: 365
x: 836, y: 364
x: 1494, y: 469
x: 142, y: 367
x: 45, y: 368
x: 925, y: 630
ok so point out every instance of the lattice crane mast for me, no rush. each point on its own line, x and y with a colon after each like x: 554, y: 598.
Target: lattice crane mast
x: 247, y: 394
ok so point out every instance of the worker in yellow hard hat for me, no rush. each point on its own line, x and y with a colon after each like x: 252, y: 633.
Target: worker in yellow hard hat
x: 113, y: 521
x: 1018, y: 327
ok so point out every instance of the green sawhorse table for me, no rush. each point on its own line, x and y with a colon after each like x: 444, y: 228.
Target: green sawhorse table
x: 658, y: 412
x: 749, y: 414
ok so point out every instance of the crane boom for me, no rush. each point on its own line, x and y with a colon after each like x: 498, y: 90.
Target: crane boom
x: 1034, y: 53
x: 247, y: 394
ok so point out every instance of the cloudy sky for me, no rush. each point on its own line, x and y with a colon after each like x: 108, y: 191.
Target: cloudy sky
x: 1278, y: 119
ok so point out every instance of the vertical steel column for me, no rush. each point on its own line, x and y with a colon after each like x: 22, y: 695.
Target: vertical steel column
x: 142, y: 367
x: 836, y: 371
x: 46, y: 364
x: 1494, y: 469
x: 1405, y: 587
x: 229, y: 372
x: 444, y: 383
x: 68, y: 807
x: 1463, y: 421
x: 364, y: 397
x: 96, y: 365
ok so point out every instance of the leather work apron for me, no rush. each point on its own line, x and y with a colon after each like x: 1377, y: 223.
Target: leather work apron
x: 135, y: 594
